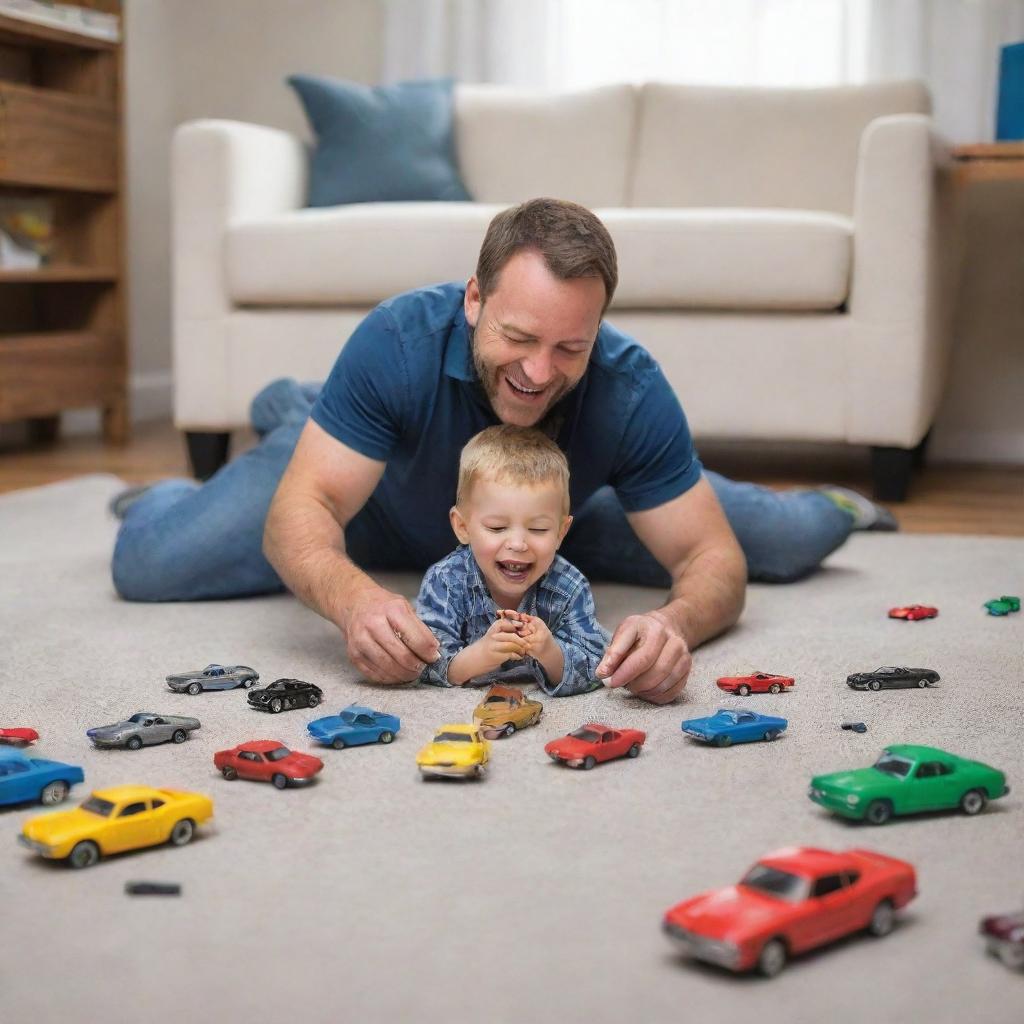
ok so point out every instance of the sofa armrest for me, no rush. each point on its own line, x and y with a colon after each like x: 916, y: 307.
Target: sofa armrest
x: 225, y: 172
x: 900, y: 284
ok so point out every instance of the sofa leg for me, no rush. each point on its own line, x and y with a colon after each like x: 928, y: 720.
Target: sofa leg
x: 207, y: 452
x: 890, y: 471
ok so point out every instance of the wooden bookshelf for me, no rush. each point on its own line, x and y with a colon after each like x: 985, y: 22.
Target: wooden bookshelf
x: 63, y: 341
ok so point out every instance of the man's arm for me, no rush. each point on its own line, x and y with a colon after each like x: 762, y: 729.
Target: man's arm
x: 690, y: 536
x: 325, y: 485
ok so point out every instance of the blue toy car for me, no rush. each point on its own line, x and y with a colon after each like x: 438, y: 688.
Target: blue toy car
x: 24, y: 779
x: 353, y: 726
x: 726, y: 727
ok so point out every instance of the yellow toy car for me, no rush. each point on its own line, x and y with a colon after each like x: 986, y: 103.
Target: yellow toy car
x: 114, y: 820
x: 457, y: 750
x: 504, y: 710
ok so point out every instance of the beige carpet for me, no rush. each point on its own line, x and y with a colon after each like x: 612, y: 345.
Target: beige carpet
x: 538, y: 893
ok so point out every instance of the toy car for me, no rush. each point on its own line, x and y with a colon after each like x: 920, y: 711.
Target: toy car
x: 1002, y: 605
x: 791, y: 901
x: 1004, y: 935
x: 726, y: 727
x: 143, y: 729
x: 505, y: 709
x: 213, y: 677
x: 892, y: 678
x: 24, y: 779
x: 353, y: 726
x: 267, y: 761
x: 18, y: 737
x: 455, y: 750
x: 283, y: 694
x: 905, y: 780
x: 595, y: 742
x: 759, y: 682
x: 913, y: 612
x: 115, y: 820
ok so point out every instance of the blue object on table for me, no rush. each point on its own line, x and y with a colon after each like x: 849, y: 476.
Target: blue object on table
x: 1010, y: 115
x: 24, y: 779
x: 727, y: 726
x: 385, y: 143
x: 354, y: 726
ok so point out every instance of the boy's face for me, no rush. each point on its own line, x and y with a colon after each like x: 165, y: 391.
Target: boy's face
x: 514, y: 531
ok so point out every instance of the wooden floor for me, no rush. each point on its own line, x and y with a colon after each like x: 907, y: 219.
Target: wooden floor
x: 943, y: 499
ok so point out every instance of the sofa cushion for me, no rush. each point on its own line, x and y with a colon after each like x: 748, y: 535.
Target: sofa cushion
x: 792, y: 148
x: 514, y: 145
x: 383, y: 143
x: 360, y: 255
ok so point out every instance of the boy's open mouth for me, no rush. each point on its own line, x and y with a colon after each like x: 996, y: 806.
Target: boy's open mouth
x: 516, y: 572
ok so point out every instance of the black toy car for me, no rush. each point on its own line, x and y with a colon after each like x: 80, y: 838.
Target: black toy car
x: 892, y: 678
x: 283, y: 694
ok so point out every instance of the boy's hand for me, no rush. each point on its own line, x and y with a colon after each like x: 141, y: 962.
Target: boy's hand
x: 504, y: 640
x: 534, y: 630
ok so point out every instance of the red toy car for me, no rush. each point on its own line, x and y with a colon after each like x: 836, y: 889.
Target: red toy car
x: 913, y: 612
x: 18, y: 737
x: 595, y: 742
x: 759, y: 682
x: 267, y: 761
x: 791, y: 901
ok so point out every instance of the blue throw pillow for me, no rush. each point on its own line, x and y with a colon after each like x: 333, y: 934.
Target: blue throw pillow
x: 381, y: 143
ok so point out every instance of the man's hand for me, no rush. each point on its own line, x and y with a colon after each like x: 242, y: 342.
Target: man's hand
x: 385, y: 639
x: 648, y: 656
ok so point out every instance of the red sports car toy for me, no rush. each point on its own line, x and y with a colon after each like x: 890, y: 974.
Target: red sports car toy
x: 594, y: 742
x: 789, y: 902
x: 759, y: 682
x: 913, y: 612
x: 267, y: 761
x: 18, y: 737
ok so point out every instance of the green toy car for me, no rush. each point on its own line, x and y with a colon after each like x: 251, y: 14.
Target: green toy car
x: 906, y: 780
x: 1002, y: 605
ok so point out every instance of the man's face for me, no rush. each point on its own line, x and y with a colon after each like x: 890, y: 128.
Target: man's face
x: 533, y: 336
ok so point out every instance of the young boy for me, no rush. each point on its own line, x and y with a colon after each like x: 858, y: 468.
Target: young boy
x: 504, y: 603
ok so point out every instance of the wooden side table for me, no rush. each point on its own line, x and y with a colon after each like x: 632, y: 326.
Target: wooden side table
x: 989, y: 161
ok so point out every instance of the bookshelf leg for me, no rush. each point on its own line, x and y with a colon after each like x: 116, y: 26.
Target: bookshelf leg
x: 43, y: 429
x: 115, y: 421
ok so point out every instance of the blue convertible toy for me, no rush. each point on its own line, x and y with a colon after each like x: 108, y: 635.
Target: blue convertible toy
x: 24, y: 779
x: 725, y: 727
x: 353, y: 726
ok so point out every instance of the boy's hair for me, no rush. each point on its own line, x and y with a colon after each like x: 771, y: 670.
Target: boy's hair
x: 510, y: 454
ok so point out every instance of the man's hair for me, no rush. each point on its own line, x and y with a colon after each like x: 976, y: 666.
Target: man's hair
x: 572, y: 240
x: 516, y: 455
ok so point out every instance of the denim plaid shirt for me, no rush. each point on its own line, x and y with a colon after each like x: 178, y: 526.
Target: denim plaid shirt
x: 457, y: 607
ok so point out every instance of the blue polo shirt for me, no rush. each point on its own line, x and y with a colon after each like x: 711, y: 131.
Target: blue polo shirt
x: 404, y: 391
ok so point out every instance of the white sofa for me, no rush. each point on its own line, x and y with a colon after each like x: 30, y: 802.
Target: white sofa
x: 778, y: 252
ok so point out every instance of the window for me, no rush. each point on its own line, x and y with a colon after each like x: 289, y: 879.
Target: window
x: 827, y: 884
x: 850, y: 877
x: 133, y: 809
x: 157, y: 803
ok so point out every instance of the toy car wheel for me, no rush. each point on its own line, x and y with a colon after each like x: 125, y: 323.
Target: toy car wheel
x: 338, y: 743
x: 195, y: 688
x: 772, y: 958
x: 508, y: 729
x: 280, y: 781
x: 883, y: 918
x: 634, y: 751
x: 723, y: 741
x: 878, y: 812
x: 229, y: 773
x: 874, y: 685
x: 179, y: 736
x: 182, y: 832
x: 276, y: 706
x: 973, y: 801
x: 53, y: 793
x: 134, y: 743
x: 744, y: 690
x: 922, y: 683
x: 588, y: 763
x: 771, y: 734
x: 84, y: 854
x: 247, y: 682
x: 1011, y: 954
x: 312, y: 700
x: 775, y: 688
x: 386, y: 737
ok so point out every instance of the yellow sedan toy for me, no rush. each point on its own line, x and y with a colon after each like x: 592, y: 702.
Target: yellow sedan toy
x: 505, y: 709
x: 114, y: 820
x: 457, y: 750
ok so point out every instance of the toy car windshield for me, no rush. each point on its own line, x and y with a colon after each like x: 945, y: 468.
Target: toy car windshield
x: 497, y: 700
x: 213, y: 670
x: 727, y: 716
x: 278, y: 754
x: 97, y: 806
x: 586, y: 734
x: 452, y: 737
x: 774, y: 882
x: 893, y: 765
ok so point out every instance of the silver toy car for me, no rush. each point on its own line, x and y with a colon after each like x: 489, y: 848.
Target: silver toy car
x: 213, y: 677
x: 143, y: 730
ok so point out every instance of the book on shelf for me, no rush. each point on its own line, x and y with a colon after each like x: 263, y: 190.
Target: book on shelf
x: 83, y: 20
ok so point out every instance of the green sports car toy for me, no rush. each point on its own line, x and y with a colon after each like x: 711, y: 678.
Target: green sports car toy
x: 1002, y: 605
x: 906, y: 780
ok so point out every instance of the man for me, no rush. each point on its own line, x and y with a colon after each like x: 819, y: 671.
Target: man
x: 373, y: 471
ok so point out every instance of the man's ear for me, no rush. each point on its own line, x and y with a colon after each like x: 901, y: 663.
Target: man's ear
x: 458, y: 524
x: 564, y: 528
x: 472, y: 302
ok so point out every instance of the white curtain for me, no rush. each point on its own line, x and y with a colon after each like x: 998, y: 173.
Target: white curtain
x: 567, y: 44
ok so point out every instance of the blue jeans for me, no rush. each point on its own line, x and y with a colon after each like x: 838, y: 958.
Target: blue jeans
x: 185, y: 541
